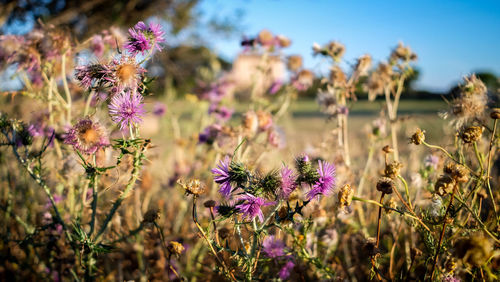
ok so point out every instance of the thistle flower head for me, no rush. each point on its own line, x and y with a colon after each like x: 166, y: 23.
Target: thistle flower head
x: 127, y: 109
x: 418, y: 137
x: 326, y: 182
x: 288, y: 182
x: 471, y: 134
x: 144, y: 38
x: 294, y: 62
x: 345, y: 196
x: 193, y: 186
x: 251, y: 206
x: 392, y: 169
x: 125, y: 73
x: 222, y: 177
x: 87, y: 136
x: 286, y: 269
x: 273, y: 247
x: 90, y: 74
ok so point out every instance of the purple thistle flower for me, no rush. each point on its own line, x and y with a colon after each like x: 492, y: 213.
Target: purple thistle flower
x: 275, y: 87
x: 126, y: 109
x: 137, y: 42
x: 251, y: 207
x: 221, y: 176
x: 89, y: 74
x: 87, y: 136
x: 431, y: 161
x: 285, y: 270
x: 142, y: 38
x: 326, y: 180
x: 288, y: 183
x: 209, y: 134
x: 159, y: 109
x: 273, y: 247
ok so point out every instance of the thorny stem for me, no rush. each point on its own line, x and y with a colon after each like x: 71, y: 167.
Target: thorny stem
x: 130, y: 185
x: 443, y: 231
x: 212, y: 216
x: 379, y: 220
x: 410, y: 209
x: 93, y: 183
x: 488, y: 169
x: 204, y: 235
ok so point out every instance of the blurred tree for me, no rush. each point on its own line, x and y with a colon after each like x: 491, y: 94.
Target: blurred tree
x: 87, y: 17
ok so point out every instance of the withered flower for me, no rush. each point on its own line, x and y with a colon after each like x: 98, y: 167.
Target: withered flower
x: 418, y: 137
x: 385, y: 185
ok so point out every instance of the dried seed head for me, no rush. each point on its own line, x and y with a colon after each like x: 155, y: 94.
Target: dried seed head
x: 444, y: 185
x: 283, y: 41
x: 265, y: 37
x: 472, y: 134
x: 210, y: 204
x: 392, y: 170
x: 338, y: 77
x: 294, y: 62
x: 363, y: 64
x: 418, y: 137
x: 458, y: 172
x: 345, y: 196
x: 387, y: 149
x: 151, y: 215
x: 385, y: 185
x: 495, y: 113
x: 193, y: 186
x: 175, y: 248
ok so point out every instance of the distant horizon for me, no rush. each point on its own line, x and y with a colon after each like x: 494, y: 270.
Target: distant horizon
x: 451, y: 38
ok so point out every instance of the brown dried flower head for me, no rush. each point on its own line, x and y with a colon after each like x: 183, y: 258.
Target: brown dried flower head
x: 403, y: 53
x: 495, y: 113
x: 472, y: 134
x: 336, y: 50
x: 387, y: 149
x: 418, y: 137
x: 458, y: 172
x: 444, y: 185
x: 338, y: 77
x: 363, y: 64
x: 193, y: 186
x: 283, y: 41
x: 392, y: 169
x: 265, y: 37
x: 210, y: 204
x: 345, y: 195
x: 471, y: 103
x: 175, y: 248
x: 385, y: 185
x: 151, y: 215
x: 294, y: 62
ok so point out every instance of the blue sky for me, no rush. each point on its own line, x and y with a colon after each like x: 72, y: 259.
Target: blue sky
x: 451, y: 38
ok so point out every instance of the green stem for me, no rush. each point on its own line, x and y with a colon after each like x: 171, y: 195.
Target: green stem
x: 488, y: 169
x: 478, y: 156
x: 406, y: 190
x: 130, y: 185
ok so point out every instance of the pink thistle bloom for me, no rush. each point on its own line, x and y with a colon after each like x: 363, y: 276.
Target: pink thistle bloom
x: 251, y: 207
x: 87, y: 136
x: 288, y: 183
x: 326, y: 181
x: 127, y: 109
x: 285, y: 271
x: 273, y: 247
x: 143, y: 38
x: 221, y: 177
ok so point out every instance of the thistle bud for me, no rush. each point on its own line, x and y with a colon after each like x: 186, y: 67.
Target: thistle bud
x: 418, y: 137
x: 387, y: 149
x: 472, y: 134
x: 210, y: 204
x: 385, y: 185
